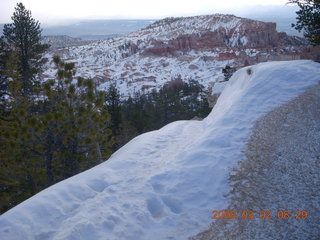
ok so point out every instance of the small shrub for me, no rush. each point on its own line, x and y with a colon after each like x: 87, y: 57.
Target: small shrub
x: 228, y: 72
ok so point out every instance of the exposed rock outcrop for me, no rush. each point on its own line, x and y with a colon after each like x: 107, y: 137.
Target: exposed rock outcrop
x: 218, y: 31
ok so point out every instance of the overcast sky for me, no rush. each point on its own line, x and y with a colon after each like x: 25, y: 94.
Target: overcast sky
x: 57, y: 11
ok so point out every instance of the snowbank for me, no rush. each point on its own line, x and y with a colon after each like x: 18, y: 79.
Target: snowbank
x: 281, y: 170
x: 163, y: 184
x: 218, y: 87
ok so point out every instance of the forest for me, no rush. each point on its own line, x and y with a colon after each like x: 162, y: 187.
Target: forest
x: 53, y: 130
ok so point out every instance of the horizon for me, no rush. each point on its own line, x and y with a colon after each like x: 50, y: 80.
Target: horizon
x: 96, y: 29
x: 57, y: 13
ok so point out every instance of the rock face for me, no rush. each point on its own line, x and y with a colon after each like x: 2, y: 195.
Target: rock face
x: 195, y: 48
x: 216, y: 31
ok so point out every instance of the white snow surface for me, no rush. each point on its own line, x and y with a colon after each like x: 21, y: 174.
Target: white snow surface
x: 163, y: 184
x: 218, y: 87
x: 122, y: 61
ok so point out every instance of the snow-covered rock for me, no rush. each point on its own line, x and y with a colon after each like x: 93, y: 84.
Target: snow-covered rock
x: 195, y: 48
x: 163, y: 184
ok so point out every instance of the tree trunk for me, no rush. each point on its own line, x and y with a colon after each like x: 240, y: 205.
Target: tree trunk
x: 99, y: 155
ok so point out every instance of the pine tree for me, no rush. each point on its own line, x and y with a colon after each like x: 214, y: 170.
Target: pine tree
x: 113, y: 106
x: 228, y: 72
x: 176, y: 100
x: 23, y: 37
x: 308, y: 19
x: 83, y: 138
x: 61, y: 134
x: 21, y: 170
x: 3, y: 78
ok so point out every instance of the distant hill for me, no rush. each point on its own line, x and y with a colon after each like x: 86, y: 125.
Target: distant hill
x: 283, y: 16
x: 62, y: 41
x: 98, y: 29
x: 195, y: 48
x: 95, y: 29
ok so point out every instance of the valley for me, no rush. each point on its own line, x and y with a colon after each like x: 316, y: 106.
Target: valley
x: 190, y: 48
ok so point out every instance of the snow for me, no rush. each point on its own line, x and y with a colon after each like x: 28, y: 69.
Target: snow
x: 163, y: 184
x: 126, y: 63
x: 130, y: 74
x: 188, y: 25
x: 251, y: 52
x: 218, y: 87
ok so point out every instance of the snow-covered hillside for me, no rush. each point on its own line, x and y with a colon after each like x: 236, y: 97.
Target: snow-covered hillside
x: 163, y: 184
x: 115, y: 62
x: 171, y: 28
x: 194, y: 48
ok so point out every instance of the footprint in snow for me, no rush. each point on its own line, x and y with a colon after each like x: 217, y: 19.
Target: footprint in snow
x: 174, y: 205
x: 97, y: 185
x: 155, y: 207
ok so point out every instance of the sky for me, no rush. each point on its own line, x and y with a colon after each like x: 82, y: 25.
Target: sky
x: 51, y: 12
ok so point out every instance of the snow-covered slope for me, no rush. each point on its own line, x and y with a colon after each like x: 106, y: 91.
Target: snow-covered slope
x: 194, y: 48
x: 163, y: 184
x: 170, y: 28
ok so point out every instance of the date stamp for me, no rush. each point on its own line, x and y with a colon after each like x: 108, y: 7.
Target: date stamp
x: 280, y: 214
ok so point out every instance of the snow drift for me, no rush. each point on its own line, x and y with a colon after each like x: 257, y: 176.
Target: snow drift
x: 163, y: 184
x: 279, y: 173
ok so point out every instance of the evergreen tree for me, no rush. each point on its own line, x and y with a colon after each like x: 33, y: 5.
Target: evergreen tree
x: 80, y: 121
x: 21, y: 170
x: 228, y: 72
x: 48, y: 132
x: 113, y: 106
x: 176, y: 100
x: 308, y: 19
x: 3, y: 78
x: 23, y: 37
x: 61, y: 134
